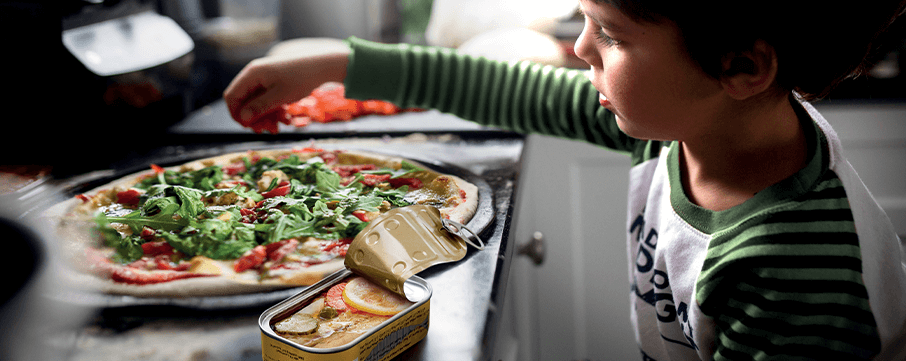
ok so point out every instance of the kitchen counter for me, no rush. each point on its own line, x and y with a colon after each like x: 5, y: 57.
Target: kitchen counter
x: 215, y: 119
x: 468, y: 294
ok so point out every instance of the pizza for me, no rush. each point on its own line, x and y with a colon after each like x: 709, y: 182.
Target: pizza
x: 242, y: 222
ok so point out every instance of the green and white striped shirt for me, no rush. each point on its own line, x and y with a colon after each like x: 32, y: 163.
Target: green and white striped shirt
x: 809, y: 268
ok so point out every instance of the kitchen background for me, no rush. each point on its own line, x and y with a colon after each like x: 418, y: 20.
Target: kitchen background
x: 123, y: 81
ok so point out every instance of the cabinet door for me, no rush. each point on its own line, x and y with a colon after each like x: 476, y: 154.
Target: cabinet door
x: 874, y: 142
x: 575, y: 305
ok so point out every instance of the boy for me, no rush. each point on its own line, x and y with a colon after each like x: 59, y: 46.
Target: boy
x: 752, y: 237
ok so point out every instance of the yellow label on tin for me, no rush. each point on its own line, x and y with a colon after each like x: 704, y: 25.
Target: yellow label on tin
x: 384, y: 344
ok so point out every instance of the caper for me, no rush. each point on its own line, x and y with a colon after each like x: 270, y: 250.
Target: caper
x: 327, y: 313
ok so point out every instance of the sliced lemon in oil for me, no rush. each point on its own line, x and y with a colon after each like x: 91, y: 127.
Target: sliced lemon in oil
x: 369, y: 297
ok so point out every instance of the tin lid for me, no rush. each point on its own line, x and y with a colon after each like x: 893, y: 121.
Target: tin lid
x: 405, y: 241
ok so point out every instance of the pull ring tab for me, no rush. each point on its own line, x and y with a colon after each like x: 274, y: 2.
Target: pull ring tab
x: 457, y: 228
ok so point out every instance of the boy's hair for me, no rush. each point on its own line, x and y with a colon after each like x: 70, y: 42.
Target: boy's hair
x: 818, y: 43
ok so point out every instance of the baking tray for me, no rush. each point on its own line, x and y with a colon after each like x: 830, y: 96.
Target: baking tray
x: 480, y: 222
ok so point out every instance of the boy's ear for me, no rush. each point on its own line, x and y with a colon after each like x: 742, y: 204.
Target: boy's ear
x: 750, y: 72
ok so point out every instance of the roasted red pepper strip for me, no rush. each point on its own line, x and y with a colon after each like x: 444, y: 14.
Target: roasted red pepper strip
x: 128, y: 197
x: 234, y: 169
x: 413, y: 183
x: 348, y: 170
x: 157, y: 248
x: 276, y: 251
x: 338, y: 247
x: 374, y: 179
x: 251, y: 259
x: 279, y: 191
x: 147, y: 234
x: 309, y: 150
x: 360, y: 214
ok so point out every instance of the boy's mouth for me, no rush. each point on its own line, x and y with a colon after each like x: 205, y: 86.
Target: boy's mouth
x: 603, y: 100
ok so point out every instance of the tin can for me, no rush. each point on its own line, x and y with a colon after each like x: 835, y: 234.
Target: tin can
x: 387, y: 253
x: 383, y: 342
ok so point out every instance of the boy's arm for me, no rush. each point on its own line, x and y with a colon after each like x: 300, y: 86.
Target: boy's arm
x: 810, y: 307
x: 519, y: 96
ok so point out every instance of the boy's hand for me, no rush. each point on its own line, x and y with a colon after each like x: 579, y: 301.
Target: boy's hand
x: 267, y: 83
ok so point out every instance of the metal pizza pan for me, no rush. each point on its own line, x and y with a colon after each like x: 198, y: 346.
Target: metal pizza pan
x: 479, y: 223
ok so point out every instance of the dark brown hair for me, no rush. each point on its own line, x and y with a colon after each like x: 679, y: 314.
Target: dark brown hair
x: 818, y: 43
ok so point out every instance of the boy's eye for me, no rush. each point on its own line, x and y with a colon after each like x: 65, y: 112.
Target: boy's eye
x: 605, y: 39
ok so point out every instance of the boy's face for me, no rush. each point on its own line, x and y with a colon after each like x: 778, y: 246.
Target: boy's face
x: 645, y: 76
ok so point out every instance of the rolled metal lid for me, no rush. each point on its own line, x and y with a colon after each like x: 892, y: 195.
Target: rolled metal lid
x: 405, y: 241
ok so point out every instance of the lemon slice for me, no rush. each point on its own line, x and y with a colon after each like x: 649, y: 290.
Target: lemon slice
x: 369, y: 297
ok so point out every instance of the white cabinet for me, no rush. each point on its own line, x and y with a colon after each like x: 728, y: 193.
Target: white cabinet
x: 575, y: 306
x: 874, y: 141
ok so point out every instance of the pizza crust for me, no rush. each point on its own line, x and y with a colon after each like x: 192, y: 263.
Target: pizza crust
x: 79, y: 212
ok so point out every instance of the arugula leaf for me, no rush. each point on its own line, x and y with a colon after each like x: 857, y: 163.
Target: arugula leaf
x: 128, y: 248
x: 204, y: 179
x: 368, y: 203
x: 289, y: 226
x: 328, y: 182
x: 213, y: 238
x: 110, y: 235
x: 161, y: 220
x: 405, y: 169
x: 396, y: 197
x: 240, y: 190
x: 191, y: 204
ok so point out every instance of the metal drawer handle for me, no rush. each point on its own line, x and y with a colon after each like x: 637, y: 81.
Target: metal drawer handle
x: 533, y: 249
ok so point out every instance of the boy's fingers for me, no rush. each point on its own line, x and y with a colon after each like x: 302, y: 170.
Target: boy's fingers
x: 245, y: 88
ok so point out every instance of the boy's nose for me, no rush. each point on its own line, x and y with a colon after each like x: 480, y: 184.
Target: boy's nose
x: 584, y: 48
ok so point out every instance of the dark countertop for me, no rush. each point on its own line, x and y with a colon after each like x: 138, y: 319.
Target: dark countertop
x: 468, y: 295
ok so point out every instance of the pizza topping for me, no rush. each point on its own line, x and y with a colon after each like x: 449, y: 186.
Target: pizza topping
x: 270, y: 177
x: 412, y: 183
x: 280, y: 191
x: 251, y: 259
x: 338, y: 247
x: 157, y: 248
x: 128, y: 197
x: 204, y: 265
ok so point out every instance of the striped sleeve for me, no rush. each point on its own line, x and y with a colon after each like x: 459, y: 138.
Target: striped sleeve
x: 520, y: 96
x: 789, y: 284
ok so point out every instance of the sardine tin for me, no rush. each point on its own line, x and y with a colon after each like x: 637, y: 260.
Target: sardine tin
x: 389, y: 251
x: 394, y: 336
